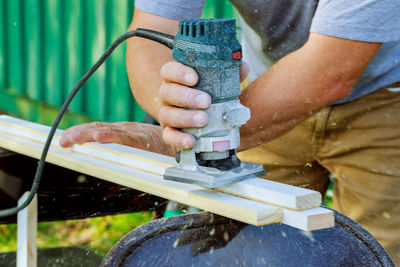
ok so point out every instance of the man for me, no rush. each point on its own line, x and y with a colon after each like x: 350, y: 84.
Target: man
x: 327, y: 105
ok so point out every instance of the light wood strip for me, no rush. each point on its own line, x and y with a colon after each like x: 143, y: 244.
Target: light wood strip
x: 138, y: 169
x: 244, y: 210
x: 279, y: 194
x: 282, y: 195
x: 310, y: 219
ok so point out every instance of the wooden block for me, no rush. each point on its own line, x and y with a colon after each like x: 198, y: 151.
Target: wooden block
x: 279, y: 194
x: 310, y: 219
x: 231, y: 204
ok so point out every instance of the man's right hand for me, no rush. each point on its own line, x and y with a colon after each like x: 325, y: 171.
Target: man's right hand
x: 182, y: 106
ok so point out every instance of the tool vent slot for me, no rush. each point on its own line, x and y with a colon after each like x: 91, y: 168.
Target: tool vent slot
x: 194, y: 31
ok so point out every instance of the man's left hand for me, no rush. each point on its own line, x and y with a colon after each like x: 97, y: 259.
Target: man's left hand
x: 134, y: 134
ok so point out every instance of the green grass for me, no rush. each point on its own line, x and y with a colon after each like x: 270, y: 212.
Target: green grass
x: 98, y: 234
x: 328, y: 200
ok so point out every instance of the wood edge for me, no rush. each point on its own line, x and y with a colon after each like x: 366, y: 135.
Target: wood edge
x: 295, y: 207
x: 256, y: 213
x: 308, y: 220
x: 321, y: 221
x: 275, y: 219
x: 309, y: 201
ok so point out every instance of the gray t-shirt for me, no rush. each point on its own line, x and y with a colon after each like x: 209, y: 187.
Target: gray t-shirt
x: 272, y: 29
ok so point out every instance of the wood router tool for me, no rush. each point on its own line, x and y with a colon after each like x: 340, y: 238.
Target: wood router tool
x: 210, y: 47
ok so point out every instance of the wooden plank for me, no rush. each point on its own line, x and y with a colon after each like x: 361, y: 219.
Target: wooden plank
x: 26, y: 233
x: 279, y: 194
x: 310, y: 219
x: 143, y: 171
x: 236, y: 205
x: 250, y: 212
x: 269, y: 192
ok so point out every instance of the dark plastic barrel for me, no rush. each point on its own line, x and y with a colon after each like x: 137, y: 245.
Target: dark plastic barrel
x: 205, y: 239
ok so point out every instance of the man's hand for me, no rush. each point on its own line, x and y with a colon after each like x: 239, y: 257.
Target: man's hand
x: 182, y: 106
x: 177, y: 100
x: 139, y: 135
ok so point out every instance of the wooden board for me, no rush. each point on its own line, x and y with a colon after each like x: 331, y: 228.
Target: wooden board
x: 278, y: 194
x: 309, y: 219
x: 250, y: 212
x: 244, y: 201
x: 262, y: 190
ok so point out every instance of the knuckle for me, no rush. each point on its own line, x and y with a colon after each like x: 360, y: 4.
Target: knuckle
x: 166, y: 69
x: 76, y: 137
x: 97, y: 124
x: 163, y: 70
x: 164, y: 90
x: 165, y: 134
x: 97, y: 136
x: 161, y: 114
x: 189, y: 96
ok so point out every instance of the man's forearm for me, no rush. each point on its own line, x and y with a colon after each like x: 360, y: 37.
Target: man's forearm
x: 144, y: 59
x: 322, y: 72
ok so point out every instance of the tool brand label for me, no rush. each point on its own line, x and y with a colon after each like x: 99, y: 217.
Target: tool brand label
x: 181, y: 44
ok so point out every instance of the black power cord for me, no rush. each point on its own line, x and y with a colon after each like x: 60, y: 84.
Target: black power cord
x: 159, y: 37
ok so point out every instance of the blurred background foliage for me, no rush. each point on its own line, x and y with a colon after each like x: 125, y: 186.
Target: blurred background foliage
x: 98, y: 234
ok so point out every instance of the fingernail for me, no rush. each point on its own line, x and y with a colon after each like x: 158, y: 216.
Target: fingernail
x: 62, y: 141
x: 200, y: 119
x: 203, y: 100
x: 190, y: 77
x: 187, y: 142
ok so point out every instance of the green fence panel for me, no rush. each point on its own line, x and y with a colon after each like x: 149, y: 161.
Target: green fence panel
x: 218, y: 9
x: 121, y: 99
x: 14, y: 42
x: 53, y: 57
x: 3, y: 71
x: 33, y: 48
x: 95, y: 90
x: 75, y: 61
x: 47, y: 45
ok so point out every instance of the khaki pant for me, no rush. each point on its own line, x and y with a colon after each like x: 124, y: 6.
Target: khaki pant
x: 359, y: 144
